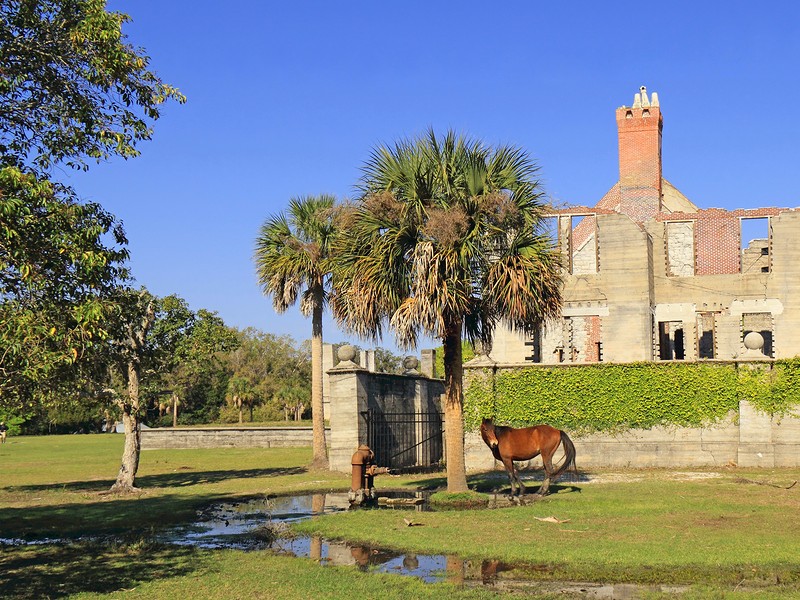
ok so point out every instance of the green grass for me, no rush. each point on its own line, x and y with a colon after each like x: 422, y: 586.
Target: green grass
x: 143, y: 571
x: 725, y: 530
x: 53, y: 485
x: 725, y: 536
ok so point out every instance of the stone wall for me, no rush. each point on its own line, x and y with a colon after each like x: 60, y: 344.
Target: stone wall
x: 747, y: 438
x: 226, y: 437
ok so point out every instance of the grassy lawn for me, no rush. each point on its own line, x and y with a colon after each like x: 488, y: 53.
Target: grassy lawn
x: 53, y: 485
x: 727, y: 530
x: 732, y: 534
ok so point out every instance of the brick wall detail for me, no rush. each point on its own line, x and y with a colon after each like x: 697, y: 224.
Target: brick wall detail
x: 717, y: 237
x: 639, y: 130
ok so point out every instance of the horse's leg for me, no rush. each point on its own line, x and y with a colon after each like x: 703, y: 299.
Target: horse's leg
x: 511, y: 472
x: 519, y: 482
x: 547, y: 461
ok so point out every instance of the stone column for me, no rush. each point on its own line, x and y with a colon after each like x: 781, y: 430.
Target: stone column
x: 367, y: 360
x: 348, y: 398
x: 327, y: 365
x: 428, y: 366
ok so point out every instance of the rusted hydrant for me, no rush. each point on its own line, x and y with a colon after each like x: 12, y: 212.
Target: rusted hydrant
x: 361, y: 489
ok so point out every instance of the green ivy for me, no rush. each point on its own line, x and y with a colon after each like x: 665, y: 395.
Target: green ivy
x: 638, y: 395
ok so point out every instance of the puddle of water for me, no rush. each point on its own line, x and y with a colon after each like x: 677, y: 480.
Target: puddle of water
x: 263, y: 525
x: 259, y: 525
x: 253, y: 525
x: 236, y: 525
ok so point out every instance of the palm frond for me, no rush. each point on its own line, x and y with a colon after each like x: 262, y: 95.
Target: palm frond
x: 446, y: 232
x: 292, y: 250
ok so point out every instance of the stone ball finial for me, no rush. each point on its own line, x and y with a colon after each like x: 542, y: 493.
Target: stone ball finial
x: 410, y: 363
x: 754, y: 341
x: 346, y: 353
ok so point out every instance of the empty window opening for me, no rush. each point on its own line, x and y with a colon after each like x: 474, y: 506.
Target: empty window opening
x: 680, y: 248
x: 671, y: 340
x: 583, y: 244
x: 706, y: 339
x: 761, y: 323
x: 755, y: 245
x: 564, y: 350
x: 573, y: 339
x: 535, y: 344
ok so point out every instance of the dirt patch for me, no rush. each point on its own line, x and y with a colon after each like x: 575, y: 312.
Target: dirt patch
x: 635, y: 476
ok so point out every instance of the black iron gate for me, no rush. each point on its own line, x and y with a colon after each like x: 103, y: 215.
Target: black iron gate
x: 405, y: 441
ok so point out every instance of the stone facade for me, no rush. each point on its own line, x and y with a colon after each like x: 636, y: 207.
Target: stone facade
x: 649, y: 276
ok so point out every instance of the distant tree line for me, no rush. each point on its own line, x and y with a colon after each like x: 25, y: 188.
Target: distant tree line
x: 195, y: 370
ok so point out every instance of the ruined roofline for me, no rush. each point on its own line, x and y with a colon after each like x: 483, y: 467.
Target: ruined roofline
x: 745, y: 213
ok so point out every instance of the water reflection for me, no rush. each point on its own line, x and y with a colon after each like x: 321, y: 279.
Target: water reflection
x: 264, y: 525
x: 237, y: 525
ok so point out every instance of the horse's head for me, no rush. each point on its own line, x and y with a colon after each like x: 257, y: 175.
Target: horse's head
x: 488, y: 433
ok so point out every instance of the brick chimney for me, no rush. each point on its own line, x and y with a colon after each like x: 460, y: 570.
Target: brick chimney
x: 639, y: 128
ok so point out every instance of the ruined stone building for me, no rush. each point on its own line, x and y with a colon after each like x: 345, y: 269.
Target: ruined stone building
x: 650, y: 276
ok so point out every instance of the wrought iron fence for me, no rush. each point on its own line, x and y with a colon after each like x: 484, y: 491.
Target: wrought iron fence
x: 405, y: 441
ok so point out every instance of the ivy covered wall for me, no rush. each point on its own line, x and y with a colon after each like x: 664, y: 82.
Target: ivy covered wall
x: 617, y: 397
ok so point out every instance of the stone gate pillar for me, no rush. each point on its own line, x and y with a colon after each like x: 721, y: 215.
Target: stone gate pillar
x: 348, y: 398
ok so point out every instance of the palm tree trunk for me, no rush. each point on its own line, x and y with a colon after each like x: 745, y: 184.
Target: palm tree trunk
x: 126, y: 477
x: 454, y: 408
x: 319, y: 446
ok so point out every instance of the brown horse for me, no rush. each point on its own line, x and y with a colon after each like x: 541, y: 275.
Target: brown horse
x: 508, y: 444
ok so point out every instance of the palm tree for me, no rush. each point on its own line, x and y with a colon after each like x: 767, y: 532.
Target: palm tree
x: 447, y: 239
x: 293, y: 259
x: 240, y: 393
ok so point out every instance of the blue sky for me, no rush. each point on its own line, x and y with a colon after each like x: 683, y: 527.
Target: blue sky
x: 288, y: 99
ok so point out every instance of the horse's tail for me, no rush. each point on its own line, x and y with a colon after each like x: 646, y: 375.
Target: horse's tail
x: 569, y: 455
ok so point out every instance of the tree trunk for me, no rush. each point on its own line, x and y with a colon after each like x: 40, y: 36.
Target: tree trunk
x: 174, y: 410
x: 319, y: 446
x: 110, y: 423
x: 126, y: 477
x: 454, y: 409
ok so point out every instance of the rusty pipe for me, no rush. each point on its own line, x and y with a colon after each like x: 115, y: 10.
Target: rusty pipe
x: 362, y: 457
x: 363, y: 471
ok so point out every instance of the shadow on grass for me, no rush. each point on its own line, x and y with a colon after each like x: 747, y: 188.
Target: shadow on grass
x: 109, y: 516
x: 179, y: 478
x: 33, y: 572
x: 491, y: 482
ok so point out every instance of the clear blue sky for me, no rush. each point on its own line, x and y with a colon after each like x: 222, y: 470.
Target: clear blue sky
x: 288, y: 98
